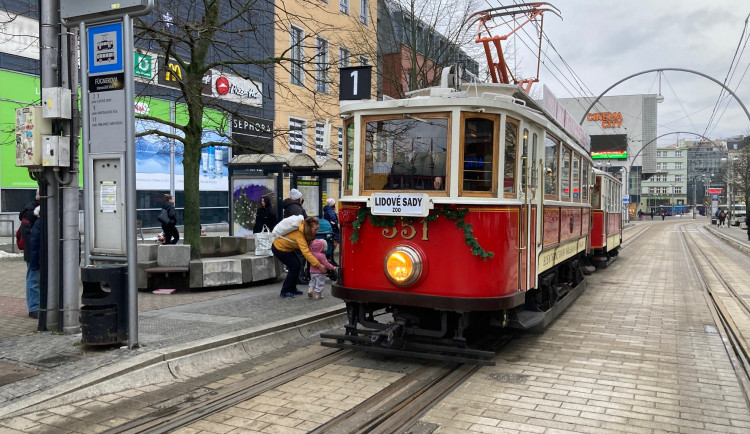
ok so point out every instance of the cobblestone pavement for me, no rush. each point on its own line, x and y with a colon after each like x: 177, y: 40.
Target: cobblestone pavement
x: 32, y: 362
x: 637, y: 352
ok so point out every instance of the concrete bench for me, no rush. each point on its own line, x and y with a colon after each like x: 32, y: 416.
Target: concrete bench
x: 226, y: 261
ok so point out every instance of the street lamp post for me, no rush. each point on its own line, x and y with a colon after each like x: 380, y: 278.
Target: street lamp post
x: 671, y: 201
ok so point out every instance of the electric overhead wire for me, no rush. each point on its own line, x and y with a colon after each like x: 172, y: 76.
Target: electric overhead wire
x: 577, y: 82
x: 730, y: 74
x: 726, y: 98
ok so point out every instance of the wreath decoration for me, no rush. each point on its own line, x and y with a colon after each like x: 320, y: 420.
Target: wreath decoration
x: 453, y: 214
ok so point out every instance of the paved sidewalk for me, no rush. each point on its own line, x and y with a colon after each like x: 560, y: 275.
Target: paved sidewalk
x: 35, y: 364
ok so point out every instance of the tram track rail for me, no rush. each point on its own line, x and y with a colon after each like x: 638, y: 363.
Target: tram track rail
x: 181, y: 415
x: 400, y: 405
x: 735, y: 343
x: 632, y: 238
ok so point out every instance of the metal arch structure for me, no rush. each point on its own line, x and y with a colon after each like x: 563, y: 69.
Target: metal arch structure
x: 629, y: 167
x: 747, y: 113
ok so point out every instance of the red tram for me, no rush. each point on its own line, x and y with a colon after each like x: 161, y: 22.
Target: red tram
x: 464, y: 206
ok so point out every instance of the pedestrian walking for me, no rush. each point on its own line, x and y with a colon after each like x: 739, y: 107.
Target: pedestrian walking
x: 29, y: 217
x: 286, y: 248
x: 747, y: 225
x: 168, y: 220
x: 652, y: 213
x: 663, y: 214
x: 722, y: 218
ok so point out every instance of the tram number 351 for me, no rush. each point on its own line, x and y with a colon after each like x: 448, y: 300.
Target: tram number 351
x: 408, y: 231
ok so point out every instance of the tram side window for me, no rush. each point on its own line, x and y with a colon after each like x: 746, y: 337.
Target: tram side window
x: 550, y: 171
x: 511, y: 148
x: 533, y: 161
x: 406, y: 153
x: 565, y: 173
x: 349, y: 157
x: 478, y: 166
x: 576, y: 177
x: 585, y: 181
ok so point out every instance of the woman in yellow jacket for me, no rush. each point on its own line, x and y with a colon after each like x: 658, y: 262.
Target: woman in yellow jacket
x: 284, y: 249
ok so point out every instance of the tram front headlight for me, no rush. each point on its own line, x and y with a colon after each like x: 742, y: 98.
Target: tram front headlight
x: 403, y: 265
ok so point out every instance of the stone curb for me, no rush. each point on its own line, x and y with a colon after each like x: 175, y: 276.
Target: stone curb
x: 181, y: 361
x: 729, y: 240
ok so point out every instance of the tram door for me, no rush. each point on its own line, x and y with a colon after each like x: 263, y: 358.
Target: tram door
x: 525, y: 246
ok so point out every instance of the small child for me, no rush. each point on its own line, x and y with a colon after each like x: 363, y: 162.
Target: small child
x: 317, y: 278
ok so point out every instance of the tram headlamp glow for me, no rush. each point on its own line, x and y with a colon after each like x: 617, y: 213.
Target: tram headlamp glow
x: 403, y: 265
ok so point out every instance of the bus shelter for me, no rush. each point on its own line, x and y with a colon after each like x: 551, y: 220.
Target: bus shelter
x: 252, y: 176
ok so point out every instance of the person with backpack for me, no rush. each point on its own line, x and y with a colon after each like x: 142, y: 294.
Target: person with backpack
x: 285, y: 248
x: 29, y: 216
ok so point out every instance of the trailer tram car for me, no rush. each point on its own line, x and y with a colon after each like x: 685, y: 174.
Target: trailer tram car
x: 463, y: 206
x: 606, y: 219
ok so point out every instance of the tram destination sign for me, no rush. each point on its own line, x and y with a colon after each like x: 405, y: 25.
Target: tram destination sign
x: 401, y: 204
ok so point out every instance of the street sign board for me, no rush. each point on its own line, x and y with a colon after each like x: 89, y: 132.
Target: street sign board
x: 76, y: 11
x: 626, y: 199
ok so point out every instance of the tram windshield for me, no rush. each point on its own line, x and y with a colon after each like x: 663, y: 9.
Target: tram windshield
x: 407, y: 152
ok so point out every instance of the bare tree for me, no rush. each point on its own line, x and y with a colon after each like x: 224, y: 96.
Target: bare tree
x: 231, y: 36
x: 417, y: 38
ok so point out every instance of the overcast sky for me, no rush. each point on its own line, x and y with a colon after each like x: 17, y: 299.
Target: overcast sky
x: 606, y: 41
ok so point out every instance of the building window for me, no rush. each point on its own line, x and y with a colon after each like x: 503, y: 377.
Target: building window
x: 320, y: 141
x: 678, y: 166
x: 678, y: 153
x: 363, y: 11
x: 297, y: 54
x: 678, y: 178
x: 343, y: 57
x: 296, y: 135
x: 677, y: 190
x: 344, y: 6
x: 321, y: 65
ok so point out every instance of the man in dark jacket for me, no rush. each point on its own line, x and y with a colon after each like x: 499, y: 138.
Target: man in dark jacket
x: 28, y: 217
x: 293, y: 204
x: 747, y: 223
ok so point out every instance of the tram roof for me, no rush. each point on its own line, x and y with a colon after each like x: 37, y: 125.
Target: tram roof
x: 491, y: 94
x: 291, y: 160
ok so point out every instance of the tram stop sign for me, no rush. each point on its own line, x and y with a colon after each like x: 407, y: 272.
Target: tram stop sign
x: 626, y: 199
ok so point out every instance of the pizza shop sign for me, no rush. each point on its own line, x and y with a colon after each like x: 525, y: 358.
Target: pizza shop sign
x: 233, y: 88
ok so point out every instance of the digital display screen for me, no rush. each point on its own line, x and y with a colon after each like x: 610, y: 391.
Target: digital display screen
x: 610, y: 146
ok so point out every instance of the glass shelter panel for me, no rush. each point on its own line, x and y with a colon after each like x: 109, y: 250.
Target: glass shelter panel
x: 406, y: 153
